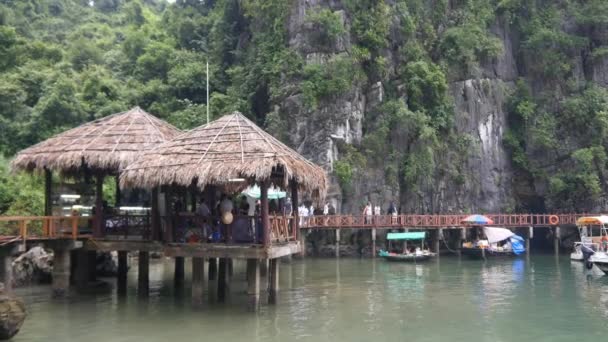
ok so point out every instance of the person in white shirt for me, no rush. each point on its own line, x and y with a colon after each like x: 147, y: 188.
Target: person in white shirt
x: 377, y: 211
x: 368, y: 212
x: 326, y: 208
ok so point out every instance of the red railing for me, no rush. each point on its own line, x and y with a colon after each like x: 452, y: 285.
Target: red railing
x: 433, y: 221
x: 44, y: 227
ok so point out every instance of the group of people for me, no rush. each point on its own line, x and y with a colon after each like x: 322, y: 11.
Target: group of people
x: 307, y: 211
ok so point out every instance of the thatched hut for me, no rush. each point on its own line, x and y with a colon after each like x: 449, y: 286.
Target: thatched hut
x: 102, y: 147
x: 229, y: 152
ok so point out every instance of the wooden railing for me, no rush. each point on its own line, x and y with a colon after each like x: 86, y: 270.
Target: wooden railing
x: 434, y: 221
x: 44, y: 227
x: 282, y: 229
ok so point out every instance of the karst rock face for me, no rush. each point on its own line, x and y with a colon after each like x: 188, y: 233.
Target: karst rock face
x: 12, y: 316
x: 487, y: 180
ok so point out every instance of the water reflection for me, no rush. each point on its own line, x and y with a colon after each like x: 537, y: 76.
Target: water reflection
x: 349, y: 300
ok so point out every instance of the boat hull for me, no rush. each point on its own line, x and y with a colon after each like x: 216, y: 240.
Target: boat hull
x: 407, y: 258
x: 481, y: 253
x: 601, y: 261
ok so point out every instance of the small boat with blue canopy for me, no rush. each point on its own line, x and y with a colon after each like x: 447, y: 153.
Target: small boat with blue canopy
x: 497, y: 242
x: 416, y: 254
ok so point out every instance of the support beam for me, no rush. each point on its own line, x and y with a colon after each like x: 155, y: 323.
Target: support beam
x: 373, y: 242
x: 118, y: 194
x: 556, y: 239
x: 82, y: 262
x: 121, y: 281
x: 155, y: 219
x: 253, y: 284
x: 273, y: 281
x: 265, y: 217
x: 6, y: 272
x: 178, y: 275
x: 294, y: 207
x: 143, y: 277
x: 198, y: 280
x: 212, y: 268
x: 48, y: 192
x: 61, y: 272
x: 263, y: 267
x: 98, y: 223
x: 222, y: 279
x: 337, y: 242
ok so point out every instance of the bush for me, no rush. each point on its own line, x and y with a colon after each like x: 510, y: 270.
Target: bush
x: 327, y: 25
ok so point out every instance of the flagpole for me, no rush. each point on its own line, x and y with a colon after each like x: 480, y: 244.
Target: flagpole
x: 207, y: 91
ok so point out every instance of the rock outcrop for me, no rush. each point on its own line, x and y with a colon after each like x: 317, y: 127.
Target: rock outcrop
x: 12, y: 316
x: 33, y: 267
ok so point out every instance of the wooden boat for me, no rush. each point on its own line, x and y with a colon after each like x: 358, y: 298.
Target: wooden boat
x: 488, y: 248
x: 419, y: 255
x: 411, y: 257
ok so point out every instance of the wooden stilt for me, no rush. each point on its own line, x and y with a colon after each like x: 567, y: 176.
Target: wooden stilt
x: 178, y: 275
x: 121, y: 281
x: 265, y: 217
x: 212, y: 268
x: 198, y: 280
x: 263, y: 267
x: 155, y: 234
x: 253, y: 284
x: 118, y: 195
x: 48, y: 192
x: 222, y: 283
x: 98, y: 222
x: 556, y: 239
x: 373, y: 242
x: 337, y: 242
x: 273, y: 281
x: 61, y: 272
x: 82, y: 263
x: 6, y: 272
x: 143, y: 277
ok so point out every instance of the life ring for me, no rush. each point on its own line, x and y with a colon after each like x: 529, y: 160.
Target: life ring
x: 553, y: 220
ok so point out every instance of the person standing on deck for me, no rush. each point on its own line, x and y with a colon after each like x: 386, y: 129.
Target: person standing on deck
x: 368, y: 211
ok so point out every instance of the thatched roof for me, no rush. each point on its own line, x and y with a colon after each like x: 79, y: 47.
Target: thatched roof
x: 229, y: 148
x: 106, y: 145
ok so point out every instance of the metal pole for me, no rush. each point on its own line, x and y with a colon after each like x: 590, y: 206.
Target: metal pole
x: 207, y: 91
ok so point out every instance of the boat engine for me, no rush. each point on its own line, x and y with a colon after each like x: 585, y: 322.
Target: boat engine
x: 587, y: 253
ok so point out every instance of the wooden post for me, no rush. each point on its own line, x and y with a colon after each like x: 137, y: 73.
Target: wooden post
x: 556, y: 239
x: 265, y: 217
x: 273, y: 281
x: 198, y: 280
x: 529, y: 236
x: 253, y: 284
x: 121, y: 281
x: 212, y: 268
x: 169, y: 214
x: 48, y: 192
x: 222, y: 280
x: 294, y: 208
x: 118, y: 195
x: 155, y: 219
x: 337, y: 242
x: 98, y: 227
x: 61, y: 272
x: 82, y: 263
x: 263, y: 267
x: 438, y: 239
x: 178, y: 275
x: 302, y: 238
x: 143, y: 279
x: 373, y: 242
x: 6, y: 272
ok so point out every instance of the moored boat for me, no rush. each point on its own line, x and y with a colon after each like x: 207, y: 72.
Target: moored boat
x: 418, y: 255
x: 499, y: 242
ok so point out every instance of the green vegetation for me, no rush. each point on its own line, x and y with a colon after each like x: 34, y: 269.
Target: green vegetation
x: 64, y: 62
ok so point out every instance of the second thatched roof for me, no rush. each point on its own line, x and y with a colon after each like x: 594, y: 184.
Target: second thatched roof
x: 229, y: 148
x: 106, y: 145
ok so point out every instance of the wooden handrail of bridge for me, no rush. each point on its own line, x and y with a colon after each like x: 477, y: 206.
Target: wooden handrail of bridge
x: 434, y: 221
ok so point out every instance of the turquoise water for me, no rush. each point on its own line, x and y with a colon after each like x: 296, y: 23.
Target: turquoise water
x: 540, y: 299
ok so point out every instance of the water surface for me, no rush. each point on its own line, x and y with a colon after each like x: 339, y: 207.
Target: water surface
x: 540, y: 299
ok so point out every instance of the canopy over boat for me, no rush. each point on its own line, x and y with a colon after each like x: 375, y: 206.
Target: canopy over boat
x: 406, y: 236
x: 495, y: 234
x: 592, y: 220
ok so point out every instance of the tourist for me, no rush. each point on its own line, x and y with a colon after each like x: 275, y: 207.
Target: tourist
x: 226, y: 205
x: 331, y: 209
x: 203, y: 209
x: 368, y: 212
x: 392, y: 210
x: 326, y: 208
x: 288, y: 208
x: 377, y: 210
x: 273, y: 207
x: 243, y: 206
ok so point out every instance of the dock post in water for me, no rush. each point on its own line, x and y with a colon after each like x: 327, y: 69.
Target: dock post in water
x: 212, y: 268
x: 178, y: 275
x: 273, y: 281
x: 556, y: 237
x: 302, y: 238
x: 438, y: 239
x: 61, y: 272
x: 121, y: 279
x: 143, y: 279
x: 222, y: 279
x: 253, y: 284
x: 263, y: 267
x: 83, y: 265
x: 6, y: 271
x: 373, y: 242
x: 198, y: 280
x: 529, y: 236
x: 337, y: 242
